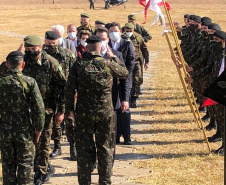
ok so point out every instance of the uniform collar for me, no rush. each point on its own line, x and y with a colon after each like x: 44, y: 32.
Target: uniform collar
x: 14, y: 71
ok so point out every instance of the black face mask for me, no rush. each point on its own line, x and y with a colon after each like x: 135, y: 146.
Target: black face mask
x: 204, y: 33
x: 51, y: 48
x: 210, y: 36
x: 217, y: 45
x: 32, y: 55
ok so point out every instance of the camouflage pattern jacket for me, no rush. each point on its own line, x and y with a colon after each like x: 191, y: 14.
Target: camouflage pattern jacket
x: 21, y: 105
x: 50, y: 78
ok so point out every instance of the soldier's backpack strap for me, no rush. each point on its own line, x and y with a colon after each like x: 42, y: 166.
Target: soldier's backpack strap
x: 5, y: 78
x: 24, y: 84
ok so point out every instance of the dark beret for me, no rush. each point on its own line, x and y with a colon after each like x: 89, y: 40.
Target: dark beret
x: 99, y: 22
x: 187, y: 16
x: 214, y: 26
x: 14, y: 54
x: 93, y: 39
x: 102, y: 29
x: 131, y: 17
x: 32, y: 40
x: 220, y: 34
x: 51, y: 35
x: 107, y: 25
x: 129, y: 26
x: 206, y: 19
x: 85, y: 15
x: 197, y: 19
x: 206, y: 23
x: 191, y: 17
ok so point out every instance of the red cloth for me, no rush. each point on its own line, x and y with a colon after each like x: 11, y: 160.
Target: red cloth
x: 145, y: 9
x: 80, y: 49
x: 208, y: 102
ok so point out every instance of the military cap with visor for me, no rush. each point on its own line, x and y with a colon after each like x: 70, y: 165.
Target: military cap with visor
x: 32, y: 40
x: 51, y: 35
x: 131, y: 17
x: 85, y: 15
x: 99, y: 22
x: 129, y: 26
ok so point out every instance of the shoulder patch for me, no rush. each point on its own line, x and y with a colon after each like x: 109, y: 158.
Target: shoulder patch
x: 60, y: 68
x: 73, y: 55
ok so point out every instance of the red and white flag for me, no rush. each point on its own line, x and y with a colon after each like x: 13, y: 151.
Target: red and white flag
x: 154, y: 5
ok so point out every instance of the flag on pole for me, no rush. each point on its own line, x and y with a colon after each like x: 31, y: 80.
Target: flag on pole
x: 154, y: 5
x: 208, y: 102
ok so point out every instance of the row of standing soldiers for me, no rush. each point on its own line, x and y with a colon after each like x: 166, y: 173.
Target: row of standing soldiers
x: 203, y: 48
x: 43, y: 101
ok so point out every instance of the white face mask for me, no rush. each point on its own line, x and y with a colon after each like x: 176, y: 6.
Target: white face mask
x: 72, y: 35
x: 60, y: 40
x: 83, y: 42
x: 114, y: 36
x: 129, y: 34
x: 104, y: 47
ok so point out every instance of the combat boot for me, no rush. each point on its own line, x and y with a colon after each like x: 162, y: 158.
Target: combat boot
x: 73, y: 154
x: 212, y: 125
x: 133, y: 103
x: 202, y: 109
x: 57, y: 149
x: 38, y: 178
x: 206, y: 117
x: 219, y: 151
x: 127, y: 141
x: 216, y: 137
x: 50, y: 172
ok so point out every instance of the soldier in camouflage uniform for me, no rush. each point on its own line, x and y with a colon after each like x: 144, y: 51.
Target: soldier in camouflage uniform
x: 85, y: 24
x: 3, y: 68
x: 51, y: 81
x: 140, y: 52
x: 66, y: 58
x: 22, y: 114
x: 92, y: 76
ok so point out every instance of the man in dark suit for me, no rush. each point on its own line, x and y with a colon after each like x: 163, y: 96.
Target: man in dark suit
x: 127, y: 50
x: 65, y: 43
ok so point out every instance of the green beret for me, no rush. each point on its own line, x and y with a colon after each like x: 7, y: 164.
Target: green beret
x: 32, y: 40
x: 131, y: 17
x: 85, y: 15
x: 51, y: 35
x: 14, y: 54
x: 129, y: 26
x: 93, y: 39
x: 99, y: 22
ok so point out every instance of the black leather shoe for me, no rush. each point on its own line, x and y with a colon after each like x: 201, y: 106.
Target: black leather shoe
x: 212, y: 125
x: 127, y: 141
x: 55, y: 152
x: 51, y: 169
x: 206, y: 118
x: 117, y: 141
x: 38, y: 182
x: 73, y: 154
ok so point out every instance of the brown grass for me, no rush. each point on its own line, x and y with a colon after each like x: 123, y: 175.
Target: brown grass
x: 179, y: 155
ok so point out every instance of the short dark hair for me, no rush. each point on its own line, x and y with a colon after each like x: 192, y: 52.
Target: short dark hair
x: 84, y: 32
x: 102, y: 29
x: 15, y: 62
x: 113, y: 24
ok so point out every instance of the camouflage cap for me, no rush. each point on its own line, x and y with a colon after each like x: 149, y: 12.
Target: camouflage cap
x: 85, y: 15
x: 32, y: 40
x: 131, y: 17
x: 15, y: 54
x: 93, y: 39
x: 99, y: 22
x: 129, y: 26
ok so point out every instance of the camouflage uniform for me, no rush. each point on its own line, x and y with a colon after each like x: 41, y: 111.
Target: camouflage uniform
x: 51, y: 81
x: 3, y: 68
x: 21, y: 112
x: 91, y: 29
x: 141, y: 53
x: 92, y: 77
x: 66, y: 58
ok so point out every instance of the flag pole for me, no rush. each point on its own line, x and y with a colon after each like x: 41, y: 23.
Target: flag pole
x: 188, y: 90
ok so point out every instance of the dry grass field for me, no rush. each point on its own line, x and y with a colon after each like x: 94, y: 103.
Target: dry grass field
x: 179, y: 155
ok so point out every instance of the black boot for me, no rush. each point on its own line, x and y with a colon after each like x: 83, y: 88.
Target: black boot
x: 73, y: 155
x: 219, y: 151
x: 212, y: 125
x: 133, y: 103
x: 57, y: 149
x: 127, y: 141
x: 38, y: 178
x: 202, y: 109
x: 216, y: 137
x: 206, y: 117
x: 117, y: 140
x: 50, y: 172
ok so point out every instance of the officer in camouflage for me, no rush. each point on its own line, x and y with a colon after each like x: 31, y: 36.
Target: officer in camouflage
x: 66, y: 59
x: 85, y: 24
x: 92, y: 76
x: 22, y: 114
x: 51, y: 81
x: 141, y: 52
